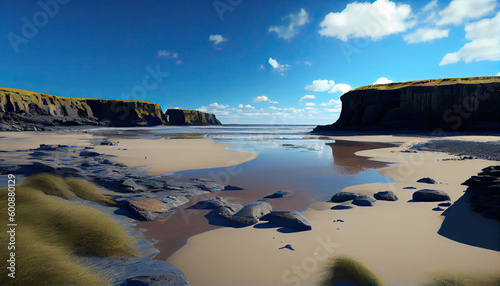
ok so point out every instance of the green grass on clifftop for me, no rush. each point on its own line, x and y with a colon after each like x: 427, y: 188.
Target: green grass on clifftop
x: 433, y: 82
x: 52, y: 231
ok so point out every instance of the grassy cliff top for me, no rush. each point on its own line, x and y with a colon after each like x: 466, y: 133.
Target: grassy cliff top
x: 31, y: 93
x: 433, y: 82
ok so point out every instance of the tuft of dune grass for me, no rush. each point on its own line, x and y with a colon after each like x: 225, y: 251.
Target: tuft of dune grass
x: 346, y: 271
x: 448, y: 279
x: 86, y: 190
x: 51, y: 231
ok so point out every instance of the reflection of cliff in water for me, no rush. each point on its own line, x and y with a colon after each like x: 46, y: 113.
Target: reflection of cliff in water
x: 347, y: 162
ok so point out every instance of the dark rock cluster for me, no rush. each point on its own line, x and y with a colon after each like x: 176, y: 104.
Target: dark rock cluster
x: 484, y: 192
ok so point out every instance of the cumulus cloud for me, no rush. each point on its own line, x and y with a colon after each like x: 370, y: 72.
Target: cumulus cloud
x: 216, y: 105
x: 425, y: 35
x: 321, y: 85
x: 213, y: 108
x: 460, y: 10
x: 335, y: 102
x: 276, y: 66
x: 308, y: 63
x: 373, y: 20
x: 340, y: 87
x: 167, y: 54
x: 217, y: 39
x: 289, y: 30
x: 305, y: 97
x: 483, y: 37
x: 383, y: 80
x: 310, y: 104
x: 263, y: 98
x: 498, y: 74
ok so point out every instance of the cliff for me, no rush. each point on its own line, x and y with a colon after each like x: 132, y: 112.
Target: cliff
x: 190, y: 117
x: 460, y: 104
x: 25, y: 110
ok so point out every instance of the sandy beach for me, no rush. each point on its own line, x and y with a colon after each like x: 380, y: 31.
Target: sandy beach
x: 398, y: 241
x: 161, y: 156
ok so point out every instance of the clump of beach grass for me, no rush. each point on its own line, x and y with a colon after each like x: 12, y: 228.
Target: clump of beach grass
x: 52, y: 231
x: 346, y: 271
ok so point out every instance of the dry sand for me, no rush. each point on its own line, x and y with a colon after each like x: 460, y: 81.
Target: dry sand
x: 398, y: 241
x: 158, y: 157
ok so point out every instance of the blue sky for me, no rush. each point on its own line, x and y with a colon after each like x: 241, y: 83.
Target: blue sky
x: 264, y: 62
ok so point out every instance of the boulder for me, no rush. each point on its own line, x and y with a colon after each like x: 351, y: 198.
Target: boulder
x: 278, y: 194
x: 147, y: 209
x: 427, y: 180
x: 386, y: 196
x: 364, y: 201
x: 343, y: 197
x: 85, y: 153
x: 288, y: 219
x: 232, y: 188
x: 427, y: 195
x: 341, y: 207
x: 250, y: 214
x: 210, y: 204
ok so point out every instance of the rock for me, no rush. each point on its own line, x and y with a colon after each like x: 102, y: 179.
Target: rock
x: 427, y: 195
x: 171, y: 277
x: 250, y: 214
x: 385, y: 196
x: 232, y: 188
x: 190, y: 117
x: 278, y: 194
x: 438, y: 209
x: 85, y: 153
x: 107, y: 143
x: 447, y: 204
x: 341, y: 207
x: 409, y: 188
x: 343, y: 197
x: 288, y: 219
x: 484, y: 193
x: 364, y: 201
x: 149, y: 209
x: 228, y: 210
x: 427, y: 180
x: 211, y: 203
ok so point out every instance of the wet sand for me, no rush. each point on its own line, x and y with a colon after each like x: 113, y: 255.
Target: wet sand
x: 403, y: 242
x: 173, y: 233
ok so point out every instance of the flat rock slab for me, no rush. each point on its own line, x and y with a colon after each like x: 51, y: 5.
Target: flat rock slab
x: 427, y: 195
x: 288, y: 219
x: 278, y: 194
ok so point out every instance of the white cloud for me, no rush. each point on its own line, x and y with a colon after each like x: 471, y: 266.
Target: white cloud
x: 425, y: 35
x: 262, y: 67
x: 498, y: 74
x: 373, y: 20
x: 483, y: 45
x: 383, y: 80
x: 263, y: 98
x: 321, y: 85
x: 308, y: 63
x: 175, y: 55
x: 310, y: 104
x: 276, y: 66
x: 336, y: 102
x: 248, y: 106
x: 216, y: 105
x: 309, y: 108
x: 334, y: 110
x: 460, y: 10
x: 307, y: 97
x: 340, y: 87
x: 217, y: 39
x: 273, y: 107
x: 289, y: 30
x: 163, y: 54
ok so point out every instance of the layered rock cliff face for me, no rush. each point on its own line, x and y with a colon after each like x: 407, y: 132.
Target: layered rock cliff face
x: 462, y: 104
x: 25, y: 110
x: 190, y: 117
